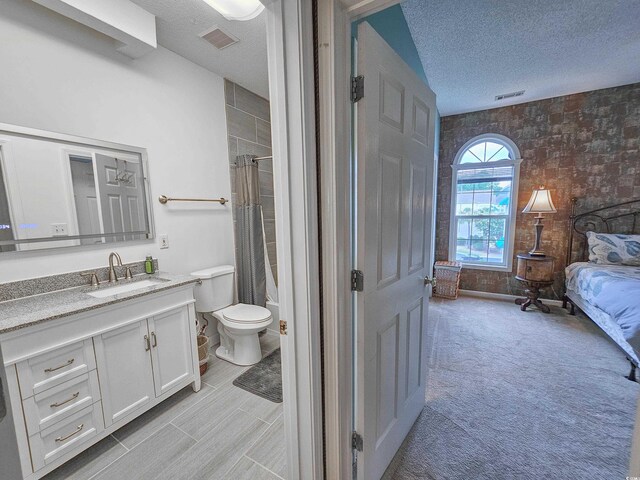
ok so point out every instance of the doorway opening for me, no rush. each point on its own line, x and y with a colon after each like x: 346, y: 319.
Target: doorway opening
x: 474, y: 344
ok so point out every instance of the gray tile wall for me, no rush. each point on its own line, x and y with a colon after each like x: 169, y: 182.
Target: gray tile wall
x: 249, y: 131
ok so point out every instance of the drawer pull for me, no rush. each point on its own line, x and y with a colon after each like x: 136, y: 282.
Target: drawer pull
x: 73, y: 397
x: 69, y: 362
x: 147, y: 343
x: 67, y: 437
x: 155, y: 339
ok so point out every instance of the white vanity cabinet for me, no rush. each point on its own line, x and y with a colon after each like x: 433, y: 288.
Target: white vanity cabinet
x: 142, y: 361
x: 126, y: 377
x: 76, y: 379
x: 170, y: 340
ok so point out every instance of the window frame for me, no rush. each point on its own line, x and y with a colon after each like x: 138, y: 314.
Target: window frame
x: 510, y: 228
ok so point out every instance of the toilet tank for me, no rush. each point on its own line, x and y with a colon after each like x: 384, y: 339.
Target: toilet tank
x: 216, y: 288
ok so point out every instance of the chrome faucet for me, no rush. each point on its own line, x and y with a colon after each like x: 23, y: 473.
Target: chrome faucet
x: 113, y: 276
x: 94, y: 278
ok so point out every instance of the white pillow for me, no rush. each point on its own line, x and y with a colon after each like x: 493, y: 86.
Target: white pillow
x: 614, y: 249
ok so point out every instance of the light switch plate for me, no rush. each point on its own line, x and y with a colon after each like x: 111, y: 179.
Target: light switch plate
x: 164, y: 241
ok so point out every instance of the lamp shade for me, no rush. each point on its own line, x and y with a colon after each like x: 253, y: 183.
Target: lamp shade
x: 237, y: 9
x: 540, y: 202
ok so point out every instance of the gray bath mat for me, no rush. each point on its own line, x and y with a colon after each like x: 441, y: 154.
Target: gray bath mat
x: 264, y: 378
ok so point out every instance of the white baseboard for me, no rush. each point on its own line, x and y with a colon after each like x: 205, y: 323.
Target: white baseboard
x: 272, y: 330
x: 503, y: 296
x: 214, y: 339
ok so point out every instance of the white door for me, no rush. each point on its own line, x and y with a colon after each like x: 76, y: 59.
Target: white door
x: 121, y: 197
x: 170, y: 349
x: 394, y: 179
x: 85, y: 198
x: 123, y: 359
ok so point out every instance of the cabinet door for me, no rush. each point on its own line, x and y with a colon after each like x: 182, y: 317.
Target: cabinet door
x: 171, y: 349
x: 124, y: 369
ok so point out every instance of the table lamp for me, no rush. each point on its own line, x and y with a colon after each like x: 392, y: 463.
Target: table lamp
x: 540, y: 202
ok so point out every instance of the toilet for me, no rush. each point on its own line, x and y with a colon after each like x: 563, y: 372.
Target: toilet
x: 238, y: 324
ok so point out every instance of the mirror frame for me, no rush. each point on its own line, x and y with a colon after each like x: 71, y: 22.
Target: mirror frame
x: 74, y: 140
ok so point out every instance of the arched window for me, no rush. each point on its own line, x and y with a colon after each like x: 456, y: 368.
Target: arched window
x: 483, y: 202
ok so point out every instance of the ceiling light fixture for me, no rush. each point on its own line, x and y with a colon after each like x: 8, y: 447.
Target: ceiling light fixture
x: 240, y: 10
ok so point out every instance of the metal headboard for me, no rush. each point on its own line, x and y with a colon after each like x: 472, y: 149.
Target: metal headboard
x: 619, y: 218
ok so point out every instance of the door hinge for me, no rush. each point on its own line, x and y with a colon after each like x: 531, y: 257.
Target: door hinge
x: 357, y: 281
x: 356, y: 441
x: 357, y: 88
x: 283, y: 327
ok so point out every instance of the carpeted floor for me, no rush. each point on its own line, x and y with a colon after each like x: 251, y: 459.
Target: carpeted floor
x: 519, y: 395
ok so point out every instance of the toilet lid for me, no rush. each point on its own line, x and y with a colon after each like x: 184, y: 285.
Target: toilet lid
x: 243, y: 313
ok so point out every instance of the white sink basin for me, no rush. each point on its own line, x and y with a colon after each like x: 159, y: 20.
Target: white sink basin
x: 129, y: 287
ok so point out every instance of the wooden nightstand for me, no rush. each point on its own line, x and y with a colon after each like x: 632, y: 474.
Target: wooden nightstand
x: 536, y: 272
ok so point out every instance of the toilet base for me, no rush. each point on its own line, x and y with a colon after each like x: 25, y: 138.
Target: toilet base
x: 223, y: 354
x: 240, y: 349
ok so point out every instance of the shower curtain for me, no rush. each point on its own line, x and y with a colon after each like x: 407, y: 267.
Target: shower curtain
x: 249, y: 233
x: 272, y: 288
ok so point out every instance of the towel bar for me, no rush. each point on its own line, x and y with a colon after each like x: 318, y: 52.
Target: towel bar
x: 163, y: 199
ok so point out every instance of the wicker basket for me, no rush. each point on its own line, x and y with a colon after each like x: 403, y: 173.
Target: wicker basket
x: 447, y: 276
x: 203, y: 353
x: 204, y: 366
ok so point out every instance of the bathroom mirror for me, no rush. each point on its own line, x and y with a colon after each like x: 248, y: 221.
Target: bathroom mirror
x: 62, y: 191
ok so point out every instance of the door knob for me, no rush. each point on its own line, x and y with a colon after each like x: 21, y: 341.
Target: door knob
x: 430, y: 281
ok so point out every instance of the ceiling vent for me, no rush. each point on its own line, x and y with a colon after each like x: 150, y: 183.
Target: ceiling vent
x: 219, y: 38
x: 504, y: 96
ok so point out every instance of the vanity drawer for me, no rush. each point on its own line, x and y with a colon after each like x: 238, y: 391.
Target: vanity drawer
x: 45, y: 371
x: 51, y: 406
x: 66, y: 435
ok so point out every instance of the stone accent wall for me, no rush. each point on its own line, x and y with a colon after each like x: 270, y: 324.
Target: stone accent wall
x: 584, y: 145
x: 249, y: 132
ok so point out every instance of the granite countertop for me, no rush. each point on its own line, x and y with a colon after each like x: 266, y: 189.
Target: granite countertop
x: 27, y: 311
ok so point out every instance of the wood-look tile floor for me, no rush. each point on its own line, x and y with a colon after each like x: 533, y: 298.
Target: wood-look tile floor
x: 221, y: 432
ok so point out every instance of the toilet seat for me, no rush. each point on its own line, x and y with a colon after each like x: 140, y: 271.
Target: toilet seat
x: 242, y: 313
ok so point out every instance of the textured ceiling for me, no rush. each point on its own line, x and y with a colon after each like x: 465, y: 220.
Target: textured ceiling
x: 473, y: 50
x: 180, y: 23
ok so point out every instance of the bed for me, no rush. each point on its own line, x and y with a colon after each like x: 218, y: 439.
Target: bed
x: 598, y: 281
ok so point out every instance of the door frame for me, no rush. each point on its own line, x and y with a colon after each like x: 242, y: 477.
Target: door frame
x: 334, y: 56
x: 291, y: 89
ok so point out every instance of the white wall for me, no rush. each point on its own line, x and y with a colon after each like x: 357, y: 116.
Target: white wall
x: 35, y: 165
x: 60, y: 76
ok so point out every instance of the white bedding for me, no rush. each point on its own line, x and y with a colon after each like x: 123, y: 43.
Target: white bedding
x: 614, y: 289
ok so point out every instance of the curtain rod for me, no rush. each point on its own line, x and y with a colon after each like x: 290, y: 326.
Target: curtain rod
x: 258, y: 158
